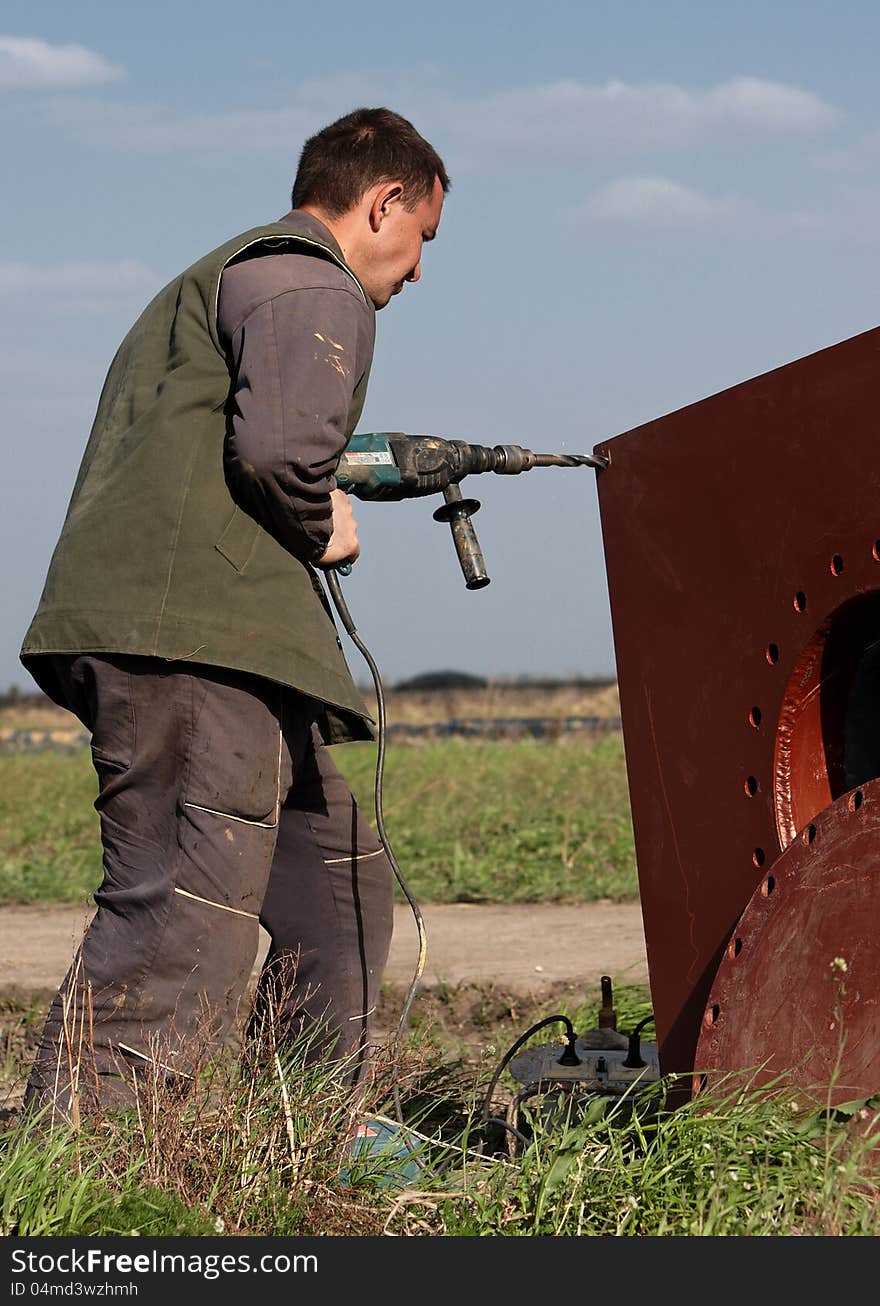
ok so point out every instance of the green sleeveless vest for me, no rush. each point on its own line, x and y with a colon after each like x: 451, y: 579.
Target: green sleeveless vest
x: 154, y: 557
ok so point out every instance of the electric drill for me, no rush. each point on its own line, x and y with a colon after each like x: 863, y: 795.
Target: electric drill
x: 382, y: 465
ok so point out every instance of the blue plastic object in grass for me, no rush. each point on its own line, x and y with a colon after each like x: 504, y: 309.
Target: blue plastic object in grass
x: 384, y: 1153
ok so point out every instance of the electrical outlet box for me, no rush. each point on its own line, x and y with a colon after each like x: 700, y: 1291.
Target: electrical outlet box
x: 598, y: 1068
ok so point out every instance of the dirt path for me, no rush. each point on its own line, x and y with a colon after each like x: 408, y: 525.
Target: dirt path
x: 526, y: 949
x: 488, y: 969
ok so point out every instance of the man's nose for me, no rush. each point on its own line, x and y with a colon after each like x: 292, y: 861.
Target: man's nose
x: 416, y: 272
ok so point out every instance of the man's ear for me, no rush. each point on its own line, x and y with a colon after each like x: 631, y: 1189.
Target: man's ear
x: 384, y: 199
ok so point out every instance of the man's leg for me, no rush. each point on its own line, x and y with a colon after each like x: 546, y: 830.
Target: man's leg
x: 329, y: 914
x: 193, y: 764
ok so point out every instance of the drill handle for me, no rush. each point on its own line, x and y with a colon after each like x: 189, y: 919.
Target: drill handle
x: 458, y: 512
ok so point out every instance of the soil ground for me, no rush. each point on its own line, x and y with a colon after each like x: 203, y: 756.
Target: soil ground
x: 488, y: 970
x: 528, y: 948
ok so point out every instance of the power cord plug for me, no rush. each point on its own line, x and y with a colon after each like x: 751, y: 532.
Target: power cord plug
x: 634, y: 1060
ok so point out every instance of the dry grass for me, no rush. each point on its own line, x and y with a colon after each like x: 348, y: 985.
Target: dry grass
x: 255, y: 1138
x: 36, y: 716
x: 500, y: 699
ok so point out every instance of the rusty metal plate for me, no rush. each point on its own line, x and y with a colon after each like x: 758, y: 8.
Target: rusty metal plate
x: 742, y: 549
x: 797, y: 994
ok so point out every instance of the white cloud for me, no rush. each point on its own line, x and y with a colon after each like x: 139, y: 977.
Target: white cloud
x: 659, y: 201
x: 123, y: 277
x: 662, y: 202
x: 772, y: 105
x: 155, y: 129
x: 563, y: 118
x: 569, y: 115
x: 29, y: 63
x: 856, y: 158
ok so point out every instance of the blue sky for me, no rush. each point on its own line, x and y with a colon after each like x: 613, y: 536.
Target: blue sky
x: 650, y: 203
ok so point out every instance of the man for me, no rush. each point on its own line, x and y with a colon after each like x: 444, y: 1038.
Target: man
x: 183, y: 622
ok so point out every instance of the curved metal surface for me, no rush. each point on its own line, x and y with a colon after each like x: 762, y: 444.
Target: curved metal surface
x: 797, y: 992
x: 825, y: 737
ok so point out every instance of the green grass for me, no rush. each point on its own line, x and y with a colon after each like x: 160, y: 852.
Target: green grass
x: 261, y: 1148
x: 468, y: 821
x: 738, y: 1168
x: 49, y: 839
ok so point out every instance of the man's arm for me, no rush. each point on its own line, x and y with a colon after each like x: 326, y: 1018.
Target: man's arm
x: 297, y: 355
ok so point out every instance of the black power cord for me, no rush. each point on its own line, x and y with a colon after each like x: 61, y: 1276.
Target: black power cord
x: 348, y: 622
x: 569, y: 1058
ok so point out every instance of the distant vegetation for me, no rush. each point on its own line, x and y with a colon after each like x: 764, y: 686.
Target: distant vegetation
x: 442, y: 680
x: 425, y: 681
x: 15, y: 696
x: 428, y: 680
x: 425, y: 700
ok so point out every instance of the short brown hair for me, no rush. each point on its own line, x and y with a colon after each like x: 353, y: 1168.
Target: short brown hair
x: 343, y: 160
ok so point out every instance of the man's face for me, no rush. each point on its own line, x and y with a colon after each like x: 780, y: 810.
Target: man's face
x: 393, y: 255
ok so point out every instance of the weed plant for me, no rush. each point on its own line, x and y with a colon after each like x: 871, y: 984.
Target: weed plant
x: 742, y: 1165
x: 263, y: 1146
x: 262, y: 1143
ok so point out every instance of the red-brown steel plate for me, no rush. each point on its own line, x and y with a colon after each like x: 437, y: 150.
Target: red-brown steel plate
x: 796, y: 995
x: 742, y: 548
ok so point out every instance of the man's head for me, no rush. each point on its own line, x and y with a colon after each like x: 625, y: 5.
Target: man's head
x: 378, y: 186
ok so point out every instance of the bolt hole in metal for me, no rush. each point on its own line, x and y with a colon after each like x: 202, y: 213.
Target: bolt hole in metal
x: 768, y: 886
x: 800, y: 601
x: 711, y: 1016
x: 855, y: 800
x: 755, y: 717
x: 759, y: 857
x: 699, y: 1083
x: 836, y: 565
x: 875, y: 551
x: 735, y: 947
x: 809, y: 834
x: 771, y: 653
x: 750, y: 786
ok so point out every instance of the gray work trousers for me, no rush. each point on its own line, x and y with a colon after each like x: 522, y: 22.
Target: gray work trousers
x: 220, y: 811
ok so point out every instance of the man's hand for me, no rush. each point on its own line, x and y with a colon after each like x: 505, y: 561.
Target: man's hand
x: 343, y: 545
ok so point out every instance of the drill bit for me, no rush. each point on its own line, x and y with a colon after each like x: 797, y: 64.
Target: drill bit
x: 569, y: 460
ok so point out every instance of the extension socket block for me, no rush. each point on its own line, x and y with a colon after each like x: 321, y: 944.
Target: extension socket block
x: 601, y: 1068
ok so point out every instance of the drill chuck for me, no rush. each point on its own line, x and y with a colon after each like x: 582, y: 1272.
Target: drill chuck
x: 505, y: 459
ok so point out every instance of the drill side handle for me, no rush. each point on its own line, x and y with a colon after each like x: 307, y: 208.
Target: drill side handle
x: 458, y: 512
